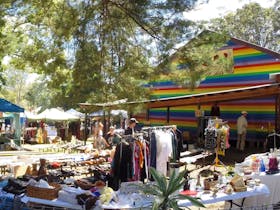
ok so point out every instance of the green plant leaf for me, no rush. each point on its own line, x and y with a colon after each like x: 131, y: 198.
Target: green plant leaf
x: 174, y: 205
x: 151, y: 190
x: 157, y: 203
x: 160, y: 179
x: 194, y: 201
x: 175, y: 182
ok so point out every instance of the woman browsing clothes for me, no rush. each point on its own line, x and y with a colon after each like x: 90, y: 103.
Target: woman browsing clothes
x: 99, y: 142
x: 112, y: 138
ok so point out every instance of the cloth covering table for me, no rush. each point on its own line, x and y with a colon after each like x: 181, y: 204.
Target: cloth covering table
x: 139, y: 201
x: 54, y: 202
x: 136, y: 201
x: 273, y: 184
x: 271, y: 181
x: 261, y: 190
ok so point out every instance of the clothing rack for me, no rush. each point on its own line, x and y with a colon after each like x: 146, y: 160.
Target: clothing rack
x: 158, y: 127
x: 135, y: 135
x: 274, y: 139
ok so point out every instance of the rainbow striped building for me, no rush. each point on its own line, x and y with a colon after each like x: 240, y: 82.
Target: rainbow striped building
x: 253, y: 66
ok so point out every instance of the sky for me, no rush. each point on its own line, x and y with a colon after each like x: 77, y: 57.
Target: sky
x: 219, y: 8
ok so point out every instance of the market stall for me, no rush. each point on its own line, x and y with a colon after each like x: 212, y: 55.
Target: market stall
x: 264, y: 167
x: 6, y: 106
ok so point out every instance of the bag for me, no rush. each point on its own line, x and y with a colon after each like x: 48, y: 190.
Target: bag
x: 86, y: 200
x: 15, y: 186
x: 83, y: 184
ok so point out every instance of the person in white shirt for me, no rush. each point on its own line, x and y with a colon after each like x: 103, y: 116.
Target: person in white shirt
x: 241, y: 130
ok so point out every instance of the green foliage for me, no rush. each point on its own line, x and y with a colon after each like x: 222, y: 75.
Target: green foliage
x: 38, y: 94
x: 95, y: 51
x: 195, y: 60
x: 166, y: 193
x: 252, y: 23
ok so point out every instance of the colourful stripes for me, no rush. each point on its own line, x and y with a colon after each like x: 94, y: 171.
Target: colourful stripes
x: 251, y: 67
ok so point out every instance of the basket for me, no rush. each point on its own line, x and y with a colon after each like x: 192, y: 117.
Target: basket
x: 43, y: 193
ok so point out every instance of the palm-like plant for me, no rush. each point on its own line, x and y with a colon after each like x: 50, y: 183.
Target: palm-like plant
x: 165, y: 193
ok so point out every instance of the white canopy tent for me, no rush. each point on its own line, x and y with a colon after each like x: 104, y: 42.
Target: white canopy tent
x: 55, y: 114
x: 119, y: 112
x: 75, y: 113
x: 30, y: 115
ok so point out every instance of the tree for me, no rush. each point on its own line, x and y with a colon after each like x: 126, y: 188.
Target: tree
x: 38, y: 94
x: 96, y: 51
x: 198, y: 59
x: 252, y: 23
x: 15, y: 86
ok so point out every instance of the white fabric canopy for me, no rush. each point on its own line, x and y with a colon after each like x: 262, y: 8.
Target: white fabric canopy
x: 120, y: 112
x: 75, y: 113
x: 56, y: 115
x: 30, y: 115
x: 117, y: 112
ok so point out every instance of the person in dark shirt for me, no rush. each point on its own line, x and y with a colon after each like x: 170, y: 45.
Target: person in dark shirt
x: 215, y: 110
x: 111, y: 137
x: 130, y: 130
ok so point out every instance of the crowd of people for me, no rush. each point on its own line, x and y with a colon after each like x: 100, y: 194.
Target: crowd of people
x: 111, y: 138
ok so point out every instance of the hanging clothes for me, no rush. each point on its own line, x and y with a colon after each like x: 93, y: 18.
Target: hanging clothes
x: 222, y: 139
x: 153, y: 149
x: 164, y: 150
x: 122, y: 164
x: 138, y: 159
x: 210, y: 138
x: 145, y: 169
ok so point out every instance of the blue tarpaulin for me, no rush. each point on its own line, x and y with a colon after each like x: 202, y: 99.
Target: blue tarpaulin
x: 6, y: 106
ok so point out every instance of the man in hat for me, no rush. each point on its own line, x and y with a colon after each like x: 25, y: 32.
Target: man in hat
x: 131, y: 126
x: 241, y: 130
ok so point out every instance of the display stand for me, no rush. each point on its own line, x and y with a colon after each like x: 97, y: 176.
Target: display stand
x: 274, y: 139
x: 217, y: 123
x: 217, y: 162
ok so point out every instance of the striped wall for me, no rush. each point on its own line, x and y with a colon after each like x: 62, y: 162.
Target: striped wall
x: 251, y: 67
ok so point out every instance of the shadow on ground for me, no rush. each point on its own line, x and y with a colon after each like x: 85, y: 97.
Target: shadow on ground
x: 232, y: 155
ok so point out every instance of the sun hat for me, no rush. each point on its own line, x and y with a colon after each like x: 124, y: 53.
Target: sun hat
x: 244, y: 112
x: 133, y: 120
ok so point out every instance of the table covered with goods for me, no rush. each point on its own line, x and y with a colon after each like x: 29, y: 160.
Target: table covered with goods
x: 265, y: 168
x: 82, y: 182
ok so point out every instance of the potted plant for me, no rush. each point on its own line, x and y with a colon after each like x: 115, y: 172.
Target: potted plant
x: 166, y: 193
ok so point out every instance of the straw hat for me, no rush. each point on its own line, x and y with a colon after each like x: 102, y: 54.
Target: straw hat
x: 244, y: 112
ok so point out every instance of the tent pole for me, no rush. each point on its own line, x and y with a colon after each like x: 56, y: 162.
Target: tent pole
x: 17, y: 128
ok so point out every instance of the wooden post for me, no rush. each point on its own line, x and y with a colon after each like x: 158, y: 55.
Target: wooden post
x: 148, y: 114
x: 168, y: 115
x: 277, y: 108
x: 85, y: 130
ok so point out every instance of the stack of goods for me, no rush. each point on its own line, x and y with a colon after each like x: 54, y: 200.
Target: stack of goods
x: 57, y: 181
x: 238, y: 184
x: 273, y: 165
x: 42, y: 189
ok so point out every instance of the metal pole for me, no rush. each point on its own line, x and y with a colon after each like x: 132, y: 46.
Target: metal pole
x: 85, y: 130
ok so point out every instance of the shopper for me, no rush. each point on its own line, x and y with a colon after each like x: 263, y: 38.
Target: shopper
x: 99, y: 142
x: 111, y: 137
x: 215, y: 110
x: 241, y: 130
x: 130, y: 130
